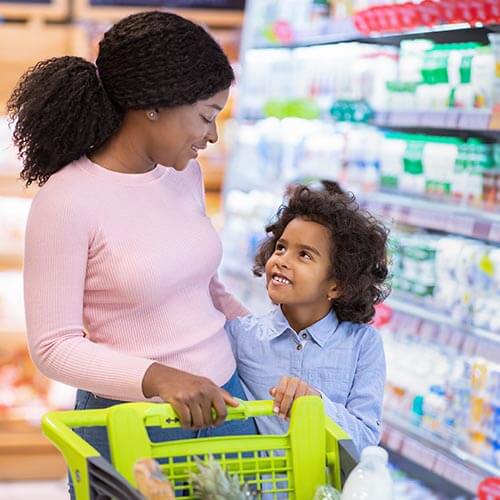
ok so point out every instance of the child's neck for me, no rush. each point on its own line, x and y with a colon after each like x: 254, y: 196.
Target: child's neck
x: 300, y: 318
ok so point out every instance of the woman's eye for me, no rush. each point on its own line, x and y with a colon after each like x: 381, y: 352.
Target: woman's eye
x: 206, y: 120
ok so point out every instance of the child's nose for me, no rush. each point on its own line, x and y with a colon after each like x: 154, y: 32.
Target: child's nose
x: 283, y: 262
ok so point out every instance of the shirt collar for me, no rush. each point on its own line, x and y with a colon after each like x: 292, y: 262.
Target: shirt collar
x: 319, y: 331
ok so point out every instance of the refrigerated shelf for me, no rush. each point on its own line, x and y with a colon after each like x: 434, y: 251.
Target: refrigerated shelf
x: 402, y: 304
x: 344, y: 32
x: 435, y: 454
x: 447, y: 217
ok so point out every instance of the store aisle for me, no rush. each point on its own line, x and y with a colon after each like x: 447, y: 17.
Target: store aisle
x: 29, y: 490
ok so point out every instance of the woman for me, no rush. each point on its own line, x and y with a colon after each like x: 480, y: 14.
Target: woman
x: 122, y: 298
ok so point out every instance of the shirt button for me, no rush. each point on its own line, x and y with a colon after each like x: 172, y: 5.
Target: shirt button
x: 299, y: 347
x: 304, y: 335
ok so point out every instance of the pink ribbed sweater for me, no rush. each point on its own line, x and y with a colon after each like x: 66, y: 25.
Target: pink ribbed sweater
x: 120, y: 271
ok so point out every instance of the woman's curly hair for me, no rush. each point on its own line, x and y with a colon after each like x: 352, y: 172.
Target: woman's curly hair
x: 359, y: 259
x: 66, y: 106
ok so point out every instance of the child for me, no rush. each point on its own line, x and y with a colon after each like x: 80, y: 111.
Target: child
x: 325, y: 264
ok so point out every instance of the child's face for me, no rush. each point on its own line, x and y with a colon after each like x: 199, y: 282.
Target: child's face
x: 298, y: 271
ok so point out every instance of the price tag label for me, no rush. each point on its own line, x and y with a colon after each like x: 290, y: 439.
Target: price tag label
x: 436, y: 119
x: 456, y: 340
x: 397, y: 213
x: 418, y: 217
x: 469, y: 346
x: 494, y: 234
x: 451, y: 118
x: 461, y: 224
x: 418, y: 453
x: 395, y: 439
x: 381, y: 118
x: 476, y: 120
x: 403, y: 119
x: 429, y: 330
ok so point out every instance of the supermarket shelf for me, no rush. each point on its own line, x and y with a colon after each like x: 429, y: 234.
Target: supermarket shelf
x: 12, y: 185
x: 448, y: 122
x: 213, y: 170
x: 423, y: 311
x: 346, y: 32
x: 451, y: 218
x: 454, y: 121
x: 11, y: 262
x: 11, y: 340
x: 22, y: 449
x: 435, y: 454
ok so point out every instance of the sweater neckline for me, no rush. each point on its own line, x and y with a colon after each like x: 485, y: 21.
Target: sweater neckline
x: 123, y: 178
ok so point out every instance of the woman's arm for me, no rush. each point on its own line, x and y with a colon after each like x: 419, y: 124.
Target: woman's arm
x: 225, y: 302
x: 58, y: 237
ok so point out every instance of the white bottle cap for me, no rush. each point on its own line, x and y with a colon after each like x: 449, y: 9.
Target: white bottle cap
x: 375, y: 451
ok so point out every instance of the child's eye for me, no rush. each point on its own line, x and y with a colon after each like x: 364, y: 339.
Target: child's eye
x: 305, y: 255
x: 279, y: 247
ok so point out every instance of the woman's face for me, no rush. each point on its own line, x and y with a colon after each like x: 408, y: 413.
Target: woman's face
x: 177, y: 134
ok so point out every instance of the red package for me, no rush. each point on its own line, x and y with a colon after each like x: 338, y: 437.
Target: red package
x: 408, y: 16
x: 492, y: 8
x: 429, y: 13
x: 489, y: 489
x: 478, y: 11
x: 449, y: 11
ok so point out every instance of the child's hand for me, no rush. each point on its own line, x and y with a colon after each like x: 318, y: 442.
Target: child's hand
x: 289, y: 389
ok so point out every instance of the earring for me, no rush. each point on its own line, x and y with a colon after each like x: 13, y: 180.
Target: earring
x: 152, y: 115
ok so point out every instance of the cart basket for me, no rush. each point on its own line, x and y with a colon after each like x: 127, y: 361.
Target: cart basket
x: 315, y: 451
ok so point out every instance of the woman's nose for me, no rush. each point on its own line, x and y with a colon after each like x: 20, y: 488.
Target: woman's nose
x: 212, y: 136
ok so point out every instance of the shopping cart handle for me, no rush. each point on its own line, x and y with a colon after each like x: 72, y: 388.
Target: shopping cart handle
x: 164, y: 415
x: 249, y: 409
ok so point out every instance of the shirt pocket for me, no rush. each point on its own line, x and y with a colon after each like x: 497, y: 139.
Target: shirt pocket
x: 258, y: 374
x: 333, y: 382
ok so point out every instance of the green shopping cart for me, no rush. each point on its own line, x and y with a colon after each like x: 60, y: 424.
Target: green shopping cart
x: 315, y: 451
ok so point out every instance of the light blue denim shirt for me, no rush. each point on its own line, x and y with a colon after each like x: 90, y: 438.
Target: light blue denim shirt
x: 342, y: 360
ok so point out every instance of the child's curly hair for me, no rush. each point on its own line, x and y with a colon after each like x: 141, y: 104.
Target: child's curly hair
x: 359, y: 260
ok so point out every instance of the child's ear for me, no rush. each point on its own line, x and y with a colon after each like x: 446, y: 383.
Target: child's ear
x: 333, y: 292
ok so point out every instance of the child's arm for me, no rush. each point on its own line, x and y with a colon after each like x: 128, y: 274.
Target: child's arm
x: 362, y: 414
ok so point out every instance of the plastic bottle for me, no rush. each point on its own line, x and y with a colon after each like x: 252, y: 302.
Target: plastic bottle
x: 370, y: 479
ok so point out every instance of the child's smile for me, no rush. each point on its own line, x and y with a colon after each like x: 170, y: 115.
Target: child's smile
x: 279, y: 279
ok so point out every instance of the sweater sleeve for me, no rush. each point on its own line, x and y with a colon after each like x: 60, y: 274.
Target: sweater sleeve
x: 224, y: 301
x: 58, y: 235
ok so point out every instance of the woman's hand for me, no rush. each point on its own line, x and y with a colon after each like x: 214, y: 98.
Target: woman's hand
x: 191, y: 396
x: 288, y: 390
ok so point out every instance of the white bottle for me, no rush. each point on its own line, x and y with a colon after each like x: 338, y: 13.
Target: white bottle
x: 370, y: 479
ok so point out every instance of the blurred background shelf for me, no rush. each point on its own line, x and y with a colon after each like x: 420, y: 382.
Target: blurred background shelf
x: 435, y: 454
x: 407, y: 305
x: 446, y: 217
x: 345, y: 32
x: 452, y: 121
x: 13, y: 185
x: 26, y: 454
x: 10, y: 262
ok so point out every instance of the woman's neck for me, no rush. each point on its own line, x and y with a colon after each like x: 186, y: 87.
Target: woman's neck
x: 123, y: 152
